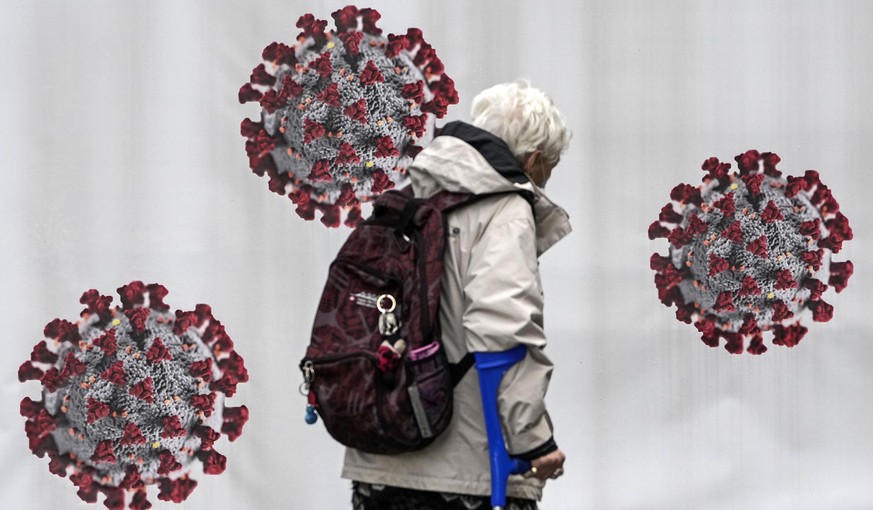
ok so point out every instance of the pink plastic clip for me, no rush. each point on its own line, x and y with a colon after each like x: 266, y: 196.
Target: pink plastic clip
x: 424, y: 352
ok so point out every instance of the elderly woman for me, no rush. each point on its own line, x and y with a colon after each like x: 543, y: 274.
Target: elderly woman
x: 491, y: 301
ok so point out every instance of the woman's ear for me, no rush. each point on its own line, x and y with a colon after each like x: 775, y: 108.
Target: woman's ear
x: 533, y: 165
x: 531, y: 161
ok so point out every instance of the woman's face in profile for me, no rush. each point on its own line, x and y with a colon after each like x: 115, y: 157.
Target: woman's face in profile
x: 538, y: 169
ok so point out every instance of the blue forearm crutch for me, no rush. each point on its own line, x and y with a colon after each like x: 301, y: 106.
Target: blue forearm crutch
x: 491, y: 367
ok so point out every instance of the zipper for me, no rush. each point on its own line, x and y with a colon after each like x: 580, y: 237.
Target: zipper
x: 424, y: 323
x: 330, y: 358
x: 377, y: 274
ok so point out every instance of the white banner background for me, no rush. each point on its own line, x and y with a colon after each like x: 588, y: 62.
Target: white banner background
x: 121, y: 159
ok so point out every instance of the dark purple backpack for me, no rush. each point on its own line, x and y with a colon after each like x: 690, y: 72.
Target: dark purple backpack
x: 375, y: 370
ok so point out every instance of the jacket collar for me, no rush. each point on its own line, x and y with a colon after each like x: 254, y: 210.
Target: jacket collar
x: 495, y: 151
x: 466, y: 159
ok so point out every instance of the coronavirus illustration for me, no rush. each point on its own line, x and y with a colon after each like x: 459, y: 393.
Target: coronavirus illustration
x: 132, y: 395
x: 749, y: 251
x: 343, y: 112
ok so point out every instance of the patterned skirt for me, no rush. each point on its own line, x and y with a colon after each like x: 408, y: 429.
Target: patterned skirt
x: 367, y: 496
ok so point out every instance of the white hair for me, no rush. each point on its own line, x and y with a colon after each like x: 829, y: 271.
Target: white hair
x: 524, y: 117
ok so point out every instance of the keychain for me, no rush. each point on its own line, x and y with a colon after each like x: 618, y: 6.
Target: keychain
x: 388, y: 324
x: 308, y: 375
x: 392, y: 348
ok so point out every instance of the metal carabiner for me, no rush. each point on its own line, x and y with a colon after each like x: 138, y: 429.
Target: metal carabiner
x: 308, y: 376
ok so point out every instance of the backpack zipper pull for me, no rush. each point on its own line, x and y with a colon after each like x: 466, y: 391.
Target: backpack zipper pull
x: 311, y: 417
x: 308, y: 376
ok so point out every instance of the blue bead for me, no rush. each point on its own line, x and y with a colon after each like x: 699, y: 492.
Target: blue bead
x: 311, y: 417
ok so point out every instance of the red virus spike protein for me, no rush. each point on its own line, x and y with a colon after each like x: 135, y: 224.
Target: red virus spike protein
x: 132, y: 395
x: 749, y: 251
x: 343, y: 112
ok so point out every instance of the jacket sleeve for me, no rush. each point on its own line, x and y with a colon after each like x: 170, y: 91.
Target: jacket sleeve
x: 503, y: 307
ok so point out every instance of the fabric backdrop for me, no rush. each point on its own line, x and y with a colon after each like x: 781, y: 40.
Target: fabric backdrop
x: 121, y: 159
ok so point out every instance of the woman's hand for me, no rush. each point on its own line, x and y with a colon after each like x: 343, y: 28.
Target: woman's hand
x: 550, y: 465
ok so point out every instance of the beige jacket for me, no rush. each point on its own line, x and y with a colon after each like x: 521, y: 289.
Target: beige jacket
x: 491, y: 301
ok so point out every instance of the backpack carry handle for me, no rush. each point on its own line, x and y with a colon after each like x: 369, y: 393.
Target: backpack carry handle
x: 491, y: 367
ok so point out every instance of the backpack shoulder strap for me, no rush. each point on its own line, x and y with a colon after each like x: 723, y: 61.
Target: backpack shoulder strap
x: 458, y: 370
x: 447, y: 201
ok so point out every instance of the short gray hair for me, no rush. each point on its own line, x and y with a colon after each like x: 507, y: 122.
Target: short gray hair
x: 524, y: 117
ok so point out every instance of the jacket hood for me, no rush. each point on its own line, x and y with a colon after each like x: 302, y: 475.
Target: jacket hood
x: 466, y: 159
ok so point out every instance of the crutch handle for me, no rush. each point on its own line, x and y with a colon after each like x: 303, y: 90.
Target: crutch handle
x: 491, y: 367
